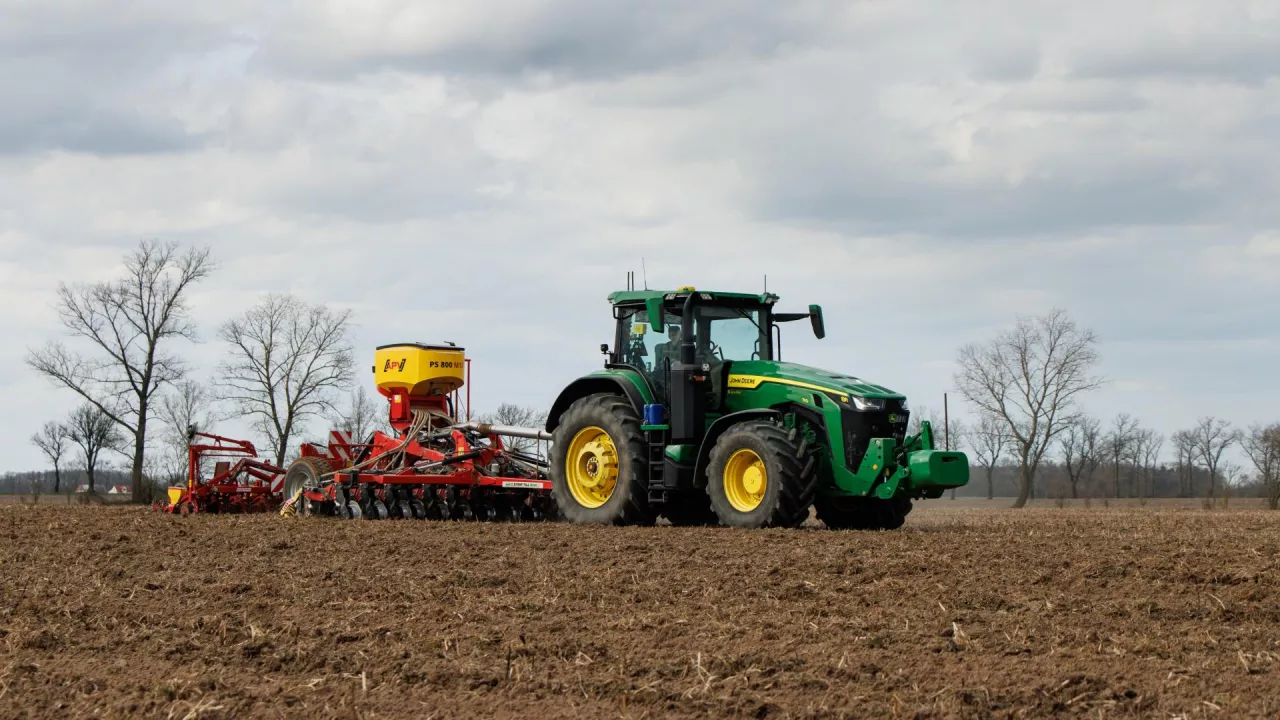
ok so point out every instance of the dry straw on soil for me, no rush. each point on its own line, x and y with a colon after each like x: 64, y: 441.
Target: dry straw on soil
x: 974, y: 613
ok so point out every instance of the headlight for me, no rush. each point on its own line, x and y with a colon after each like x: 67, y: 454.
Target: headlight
x: 865, y: 404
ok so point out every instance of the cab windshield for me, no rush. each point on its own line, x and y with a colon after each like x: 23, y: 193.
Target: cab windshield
x: 722, y: 333
x: 730, y: 333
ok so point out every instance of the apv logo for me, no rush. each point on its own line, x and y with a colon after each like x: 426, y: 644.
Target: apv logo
x: 393, y: 364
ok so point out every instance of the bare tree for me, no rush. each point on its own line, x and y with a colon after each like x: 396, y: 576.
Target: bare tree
x: 1232, y: 476
x: 512, y: 414
x: 361, y: 416
x: 989, y: 440
x: 1262, y: 445
x: 1184, y: 445
x: 188, y: 406
x: 1079, y: 451
x: 1211, y: 439
x: 53, y: 442
x: 1145, y: 455
x: 1092, y: 451
x: 129, y: 323
x: 1119, y: 444
x: 93, y: 431
x: 288, y: 360
x: 1031, y: 378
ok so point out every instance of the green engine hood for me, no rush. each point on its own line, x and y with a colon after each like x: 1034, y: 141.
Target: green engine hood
x: 750, y: 374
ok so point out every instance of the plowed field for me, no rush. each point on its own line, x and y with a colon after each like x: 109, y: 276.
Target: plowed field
x: 980, y: 613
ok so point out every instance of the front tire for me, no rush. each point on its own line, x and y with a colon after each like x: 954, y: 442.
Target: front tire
x: 598, y: 473
x: 761, y: 475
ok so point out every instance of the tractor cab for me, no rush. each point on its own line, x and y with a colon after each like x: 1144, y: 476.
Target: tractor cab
x: 724, y: 328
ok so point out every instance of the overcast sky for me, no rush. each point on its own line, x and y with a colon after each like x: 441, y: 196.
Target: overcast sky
x: 487, y: 172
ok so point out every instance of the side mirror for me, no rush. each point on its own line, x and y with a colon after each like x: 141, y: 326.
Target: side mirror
x: 604, y: 348
x: 654, y: 307
x: 815, y: 317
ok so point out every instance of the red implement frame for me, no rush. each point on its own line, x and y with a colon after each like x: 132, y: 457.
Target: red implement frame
x: 469, y: 463
x: 248, y: 485
x: 394, y: 465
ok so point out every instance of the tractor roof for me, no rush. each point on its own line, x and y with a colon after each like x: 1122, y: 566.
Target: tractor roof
x: 628, y: 297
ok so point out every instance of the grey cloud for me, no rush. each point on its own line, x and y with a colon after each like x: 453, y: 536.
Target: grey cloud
x: 575, y: 38
x: 100, y: 131
x: 1008, y: 61
x: 98, y: 78
x: 1038, y: 206
x: 1080, y: 96
x: 1245, y: 58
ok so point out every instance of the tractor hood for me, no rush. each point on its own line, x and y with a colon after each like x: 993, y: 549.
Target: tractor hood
x: 749, y: 374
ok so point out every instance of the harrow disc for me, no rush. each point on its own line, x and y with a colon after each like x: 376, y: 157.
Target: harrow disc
x: 353, y: 511
x: 378, y: 510
x: 417, y: 509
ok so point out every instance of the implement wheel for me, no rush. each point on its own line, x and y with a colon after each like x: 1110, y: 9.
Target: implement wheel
x: 305, y: 474
x: 863, y: 513
x: 761, y: 475
x: 598, y: 470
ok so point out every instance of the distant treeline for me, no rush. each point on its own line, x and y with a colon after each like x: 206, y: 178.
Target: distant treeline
x: 41, y: 481
x: 1052, y: 482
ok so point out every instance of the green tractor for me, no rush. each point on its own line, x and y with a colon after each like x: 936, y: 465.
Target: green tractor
x: 696, y: 418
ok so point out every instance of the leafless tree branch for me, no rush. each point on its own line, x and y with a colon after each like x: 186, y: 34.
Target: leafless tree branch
x: 1030, y: 378
x: 288, y: 362
x: 53, y: 440
x: 1262, y: 445
x: 127, y: 325
x: 93, y: 432
x: 1210, y: 439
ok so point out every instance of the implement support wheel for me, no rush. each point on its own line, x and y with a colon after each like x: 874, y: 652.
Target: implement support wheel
x: 305, y: 473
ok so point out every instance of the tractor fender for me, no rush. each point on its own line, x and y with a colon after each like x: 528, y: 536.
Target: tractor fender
x: 717, y: 429
x: 613, y: 384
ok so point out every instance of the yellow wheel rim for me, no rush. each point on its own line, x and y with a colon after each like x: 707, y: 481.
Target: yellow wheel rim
x: 745, y: 480
x: 591, y: 467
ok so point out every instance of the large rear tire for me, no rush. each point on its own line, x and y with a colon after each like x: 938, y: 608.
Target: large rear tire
x: 598, y: 472
x: 761, y: 475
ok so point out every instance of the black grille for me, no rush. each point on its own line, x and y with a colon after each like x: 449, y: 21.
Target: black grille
x: 861, y: 427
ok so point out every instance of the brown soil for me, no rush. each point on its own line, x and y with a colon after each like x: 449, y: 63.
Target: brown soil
x: 973, y: 613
